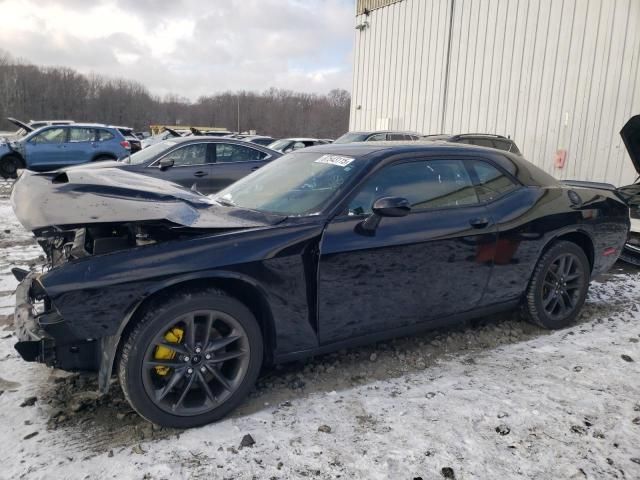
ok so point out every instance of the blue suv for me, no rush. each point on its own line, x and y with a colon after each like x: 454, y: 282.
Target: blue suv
x: 57, y: 146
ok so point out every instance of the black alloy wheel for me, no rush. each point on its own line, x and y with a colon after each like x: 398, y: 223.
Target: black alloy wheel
x: 562, y: 286
x: 558, y: 286
x: 190, y: 361
x: 205, y: 369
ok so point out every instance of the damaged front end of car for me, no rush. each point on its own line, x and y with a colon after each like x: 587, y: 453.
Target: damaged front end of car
x: 42, y: 334
x: 90, y: 224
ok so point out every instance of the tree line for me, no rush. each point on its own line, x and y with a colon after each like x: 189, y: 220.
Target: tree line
x: 31, y: 92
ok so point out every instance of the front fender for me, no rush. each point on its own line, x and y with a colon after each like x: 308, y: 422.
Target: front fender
x: 109, y: 344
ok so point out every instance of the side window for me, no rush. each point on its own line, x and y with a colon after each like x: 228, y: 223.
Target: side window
x: 228, y: 152
x: 396, y: 136
x: 195, y: 154
x: 427, y: 184
x: 378, y: 137
x: 52, y: 135
x: 493, y: 183
x: 482, y: 142
x: 104, y: 135
x: 78, y: 134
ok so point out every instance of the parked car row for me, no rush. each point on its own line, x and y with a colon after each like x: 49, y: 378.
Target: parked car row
x: 187, y: 296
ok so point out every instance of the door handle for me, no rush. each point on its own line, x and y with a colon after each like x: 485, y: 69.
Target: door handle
x: 255, y: 168
x: 200, y: 173
x: 481, y: 222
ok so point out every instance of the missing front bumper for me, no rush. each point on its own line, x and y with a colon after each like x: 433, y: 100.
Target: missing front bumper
x: 34, y: 345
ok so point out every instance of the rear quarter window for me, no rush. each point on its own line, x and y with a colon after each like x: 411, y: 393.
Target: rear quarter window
x: 493, y: 182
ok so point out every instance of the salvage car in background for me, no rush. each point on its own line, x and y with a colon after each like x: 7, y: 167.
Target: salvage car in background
x: 286, y: 145
x: 165, y: 135
x: 482, y: 139
x: 131, y: 137
x: 57, y: 146
x: 186, y: 296
x: 630, y: 134
x: 206, y: 164
x: 377, y: 136
x: 25, y: 128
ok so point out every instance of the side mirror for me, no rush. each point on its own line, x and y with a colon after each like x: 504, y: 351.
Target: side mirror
x: 383, y: 207
x: 391, y: 207
x: 166, y: 163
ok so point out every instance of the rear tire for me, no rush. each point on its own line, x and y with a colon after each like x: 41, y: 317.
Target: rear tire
x: 191, y: 359
x: 558, y: 286
x: 9, y: 165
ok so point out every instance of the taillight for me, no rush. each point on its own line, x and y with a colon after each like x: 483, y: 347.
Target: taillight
x: 126, y: 144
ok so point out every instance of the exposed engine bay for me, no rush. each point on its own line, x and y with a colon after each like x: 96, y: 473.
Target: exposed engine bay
x: 63, y: 245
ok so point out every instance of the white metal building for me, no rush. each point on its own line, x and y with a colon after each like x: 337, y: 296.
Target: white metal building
x: 560, y: 77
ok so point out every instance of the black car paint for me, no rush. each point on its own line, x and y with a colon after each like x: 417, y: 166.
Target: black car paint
x: 206, y: 178
x: 316, y: 284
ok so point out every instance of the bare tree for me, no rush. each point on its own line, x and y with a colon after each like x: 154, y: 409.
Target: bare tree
x: 31, y: 92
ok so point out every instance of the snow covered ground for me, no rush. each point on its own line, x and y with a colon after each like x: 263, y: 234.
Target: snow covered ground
x: 496, y: 399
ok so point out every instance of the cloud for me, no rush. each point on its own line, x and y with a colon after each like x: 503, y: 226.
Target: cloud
x: 189, y: 47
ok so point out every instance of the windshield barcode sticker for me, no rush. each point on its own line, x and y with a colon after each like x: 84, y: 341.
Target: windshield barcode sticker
x: 338, y: 160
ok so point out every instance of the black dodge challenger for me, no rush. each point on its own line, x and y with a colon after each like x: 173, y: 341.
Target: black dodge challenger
x: 185, y: 296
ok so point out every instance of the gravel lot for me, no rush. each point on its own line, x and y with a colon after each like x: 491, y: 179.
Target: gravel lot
x: 493, y: 399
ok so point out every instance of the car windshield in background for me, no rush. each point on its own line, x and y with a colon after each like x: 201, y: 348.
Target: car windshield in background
x: 351, y: 137
x: 148, y: 153
x: 278, y: 144
x: 298, y: 184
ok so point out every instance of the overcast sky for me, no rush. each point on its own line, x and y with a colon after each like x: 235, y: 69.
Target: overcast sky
x: 189, y: 47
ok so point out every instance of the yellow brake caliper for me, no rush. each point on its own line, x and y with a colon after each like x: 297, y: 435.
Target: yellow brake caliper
x: 165, y: 353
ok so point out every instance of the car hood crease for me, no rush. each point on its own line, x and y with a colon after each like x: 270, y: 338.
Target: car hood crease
x: 76, y: 197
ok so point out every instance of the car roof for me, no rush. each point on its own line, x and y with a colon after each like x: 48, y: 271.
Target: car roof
x: 194, y: 139
x: 371, y: 132
x: 82, y: 125
x: 213, y: 139
x: 446, y: 136
x: 301, y: 139
x: 361, y: 149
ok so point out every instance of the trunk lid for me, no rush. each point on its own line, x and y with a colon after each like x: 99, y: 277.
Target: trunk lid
x: 630, y: 134
x: 27, y: 128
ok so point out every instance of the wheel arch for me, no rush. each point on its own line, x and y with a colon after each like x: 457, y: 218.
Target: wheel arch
x: 579, y: 237
x: 238, y: 286
x: 14, y: 153
x: 104, y: 154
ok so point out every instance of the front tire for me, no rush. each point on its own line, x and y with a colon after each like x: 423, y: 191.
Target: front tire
x: 558, y: 287
x: 9, y: 165
x: 191, y: 359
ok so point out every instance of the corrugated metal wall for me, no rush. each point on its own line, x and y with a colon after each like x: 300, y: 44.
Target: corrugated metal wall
x: 552, y: 74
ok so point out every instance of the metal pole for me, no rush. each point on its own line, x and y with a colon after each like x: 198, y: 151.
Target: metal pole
x: 238, y: 113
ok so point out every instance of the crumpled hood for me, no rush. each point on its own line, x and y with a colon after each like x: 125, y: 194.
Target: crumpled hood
x: 78, y: 197
x: 630, y: 134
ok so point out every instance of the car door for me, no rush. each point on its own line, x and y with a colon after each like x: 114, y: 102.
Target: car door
x: 191, y: 166
x: 422, y: 267
x: 47, y: 149
x: 79, y: 146
x: 234, y: 161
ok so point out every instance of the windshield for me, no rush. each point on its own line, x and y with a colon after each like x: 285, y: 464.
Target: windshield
x: 279, y: 144
x: 351, y: 137
x: 146, y: 154
x: 296, y: 184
